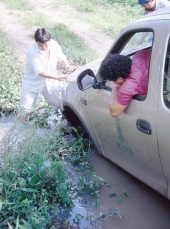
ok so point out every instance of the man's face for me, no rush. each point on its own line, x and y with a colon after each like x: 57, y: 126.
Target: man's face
x: 150, y: 5
x: 119, y: 81
x: 43, y: 46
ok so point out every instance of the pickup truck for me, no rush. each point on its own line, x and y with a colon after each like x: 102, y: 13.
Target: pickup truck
x: 139, y: 139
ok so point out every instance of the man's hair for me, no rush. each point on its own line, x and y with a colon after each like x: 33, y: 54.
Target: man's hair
x: 115, y: 66
x: 42, y: 35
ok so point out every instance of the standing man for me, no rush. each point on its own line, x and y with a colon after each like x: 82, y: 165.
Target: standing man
x: 152, y: 5
x: 40, y: 75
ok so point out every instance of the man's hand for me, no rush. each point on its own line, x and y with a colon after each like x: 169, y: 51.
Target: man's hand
x: 49, y: 75
x: 61, y: 77
x: 71, y: 69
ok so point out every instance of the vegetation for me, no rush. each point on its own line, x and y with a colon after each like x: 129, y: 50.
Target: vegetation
x: 33, y: 178
x: 108, y: 16
x: 10, y: 76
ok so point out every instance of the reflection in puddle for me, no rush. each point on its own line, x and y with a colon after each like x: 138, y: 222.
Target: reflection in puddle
x: 80, y: 215
x: 87, y: 213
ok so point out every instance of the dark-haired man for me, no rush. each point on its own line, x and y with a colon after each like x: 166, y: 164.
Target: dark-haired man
x: 130, y: 78
x: 40, y: 75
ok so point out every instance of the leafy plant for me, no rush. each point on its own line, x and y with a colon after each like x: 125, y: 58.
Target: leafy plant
x: 32, y: 180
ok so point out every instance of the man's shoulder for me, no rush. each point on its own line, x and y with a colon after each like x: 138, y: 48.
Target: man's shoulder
x: 142, y: 54
x: 141, y: 60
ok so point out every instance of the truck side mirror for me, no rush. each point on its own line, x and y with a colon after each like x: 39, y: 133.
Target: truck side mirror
x: 86, y: 79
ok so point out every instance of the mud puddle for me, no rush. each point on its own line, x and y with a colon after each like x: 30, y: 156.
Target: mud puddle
x: 142, y: 209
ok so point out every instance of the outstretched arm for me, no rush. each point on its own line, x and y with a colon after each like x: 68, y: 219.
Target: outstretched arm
x: 67, y: 66
x: 116, y: 109
x: 50, y: 75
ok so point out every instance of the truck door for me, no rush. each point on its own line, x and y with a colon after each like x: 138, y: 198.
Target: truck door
x: 131, y: 139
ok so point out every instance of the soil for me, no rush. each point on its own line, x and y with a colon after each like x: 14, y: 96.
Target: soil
x: 145, y: 209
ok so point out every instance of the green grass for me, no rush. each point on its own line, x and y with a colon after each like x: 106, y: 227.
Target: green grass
x: 17, y: 4
x: 10, y: 76
x: 75, y: 48
x: 108, y: 16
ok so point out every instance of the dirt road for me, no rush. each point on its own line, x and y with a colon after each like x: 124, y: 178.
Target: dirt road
x: 145, y: 209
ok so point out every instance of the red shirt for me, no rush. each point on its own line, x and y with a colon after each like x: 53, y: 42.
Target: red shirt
x: 137, y: 80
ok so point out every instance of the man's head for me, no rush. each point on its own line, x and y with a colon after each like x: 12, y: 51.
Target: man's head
x: 148, y: 4
x: 115, y: 68
x: 42, y: 37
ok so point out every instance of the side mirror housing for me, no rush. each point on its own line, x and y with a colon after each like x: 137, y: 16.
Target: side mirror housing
x: 86, y: 79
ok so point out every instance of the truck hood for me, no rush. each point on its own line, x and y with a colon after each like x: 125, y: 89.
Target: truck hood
x: 94, y: 66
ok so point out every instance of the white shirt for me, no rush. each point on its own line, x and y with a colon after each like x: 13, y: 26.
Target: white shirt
x: 37, y: 62
x: 159, y: 4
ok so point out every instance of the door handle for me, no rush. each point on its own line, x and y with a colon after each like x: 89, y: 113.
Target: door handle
x: 144, y: 126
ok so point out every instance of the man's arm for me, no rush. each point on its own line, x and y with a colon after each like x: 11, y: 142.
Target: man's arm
x: 67, y: 66
x: 115, y: 108
x: 49, y: 75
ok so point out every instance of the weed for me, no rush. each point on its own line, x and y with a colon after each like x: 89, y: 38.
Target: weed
x: 33, y: 180
x: 125, y: 193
